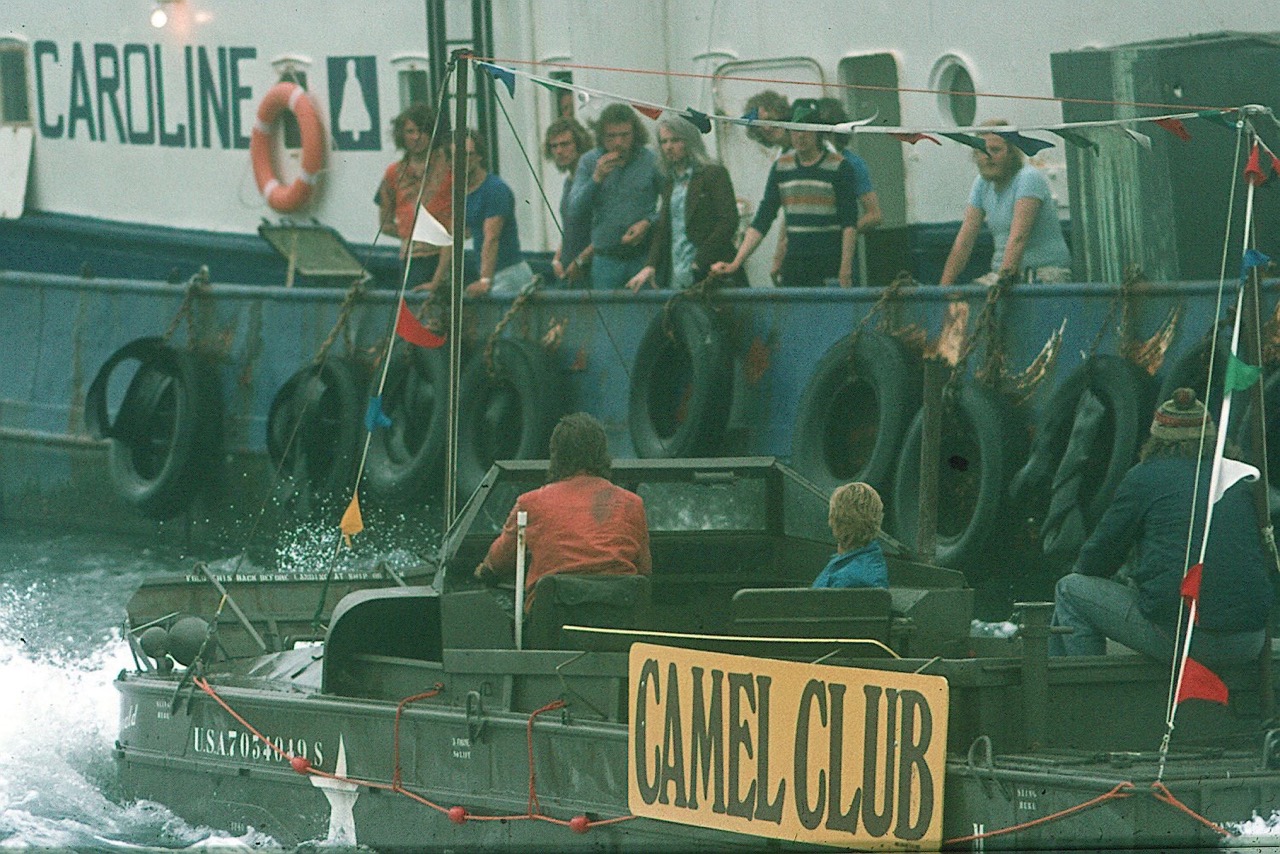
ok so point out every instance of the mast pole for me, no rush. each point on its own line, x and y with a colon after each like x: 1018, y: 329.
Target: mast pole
x: 459, y: 168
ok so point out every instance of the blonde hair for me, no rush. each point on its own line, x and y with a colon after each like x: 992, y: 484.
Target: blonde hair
x: 856, y: 513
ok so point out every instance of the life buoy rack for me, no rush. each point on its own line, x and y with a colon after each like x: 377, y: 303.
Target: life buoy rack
x: 855, y: 410
x: 166, y: 434
x: 982, y: 443
x: 313, y: 426
x: 286, y: 96
x: 681, y: 385
x: 406, y: 457
x: 1087, y: 437
x: 507, y: 413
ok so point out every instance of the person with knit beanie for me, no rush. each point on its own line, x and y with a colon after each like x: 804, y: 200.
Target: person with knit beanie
x: 1158, y: 508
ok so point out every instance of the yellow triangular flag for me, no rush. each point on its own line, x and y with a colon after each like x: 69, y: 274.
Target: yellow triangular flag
x: 427, y: 229
x: 352, y: 523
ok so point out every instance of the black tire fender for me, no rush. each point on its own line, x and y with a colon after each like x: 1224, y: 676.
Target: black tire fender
x: 166, y: 435
x: 509, y: 413
x: 855, y: 411
x: 681, y: 384
x: 981, y: 446
x: 314, y: 424
x: 405, y: 458
x: 1128, y: 393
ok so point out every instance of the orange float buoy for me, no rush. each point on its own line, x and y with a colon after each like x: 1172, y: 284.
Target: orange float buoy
x: 287, y: 96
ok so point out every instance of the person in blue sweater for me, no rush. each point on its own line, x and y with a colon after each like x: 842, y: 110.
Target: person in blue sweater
x: 855, y: 514
x: 1157, y: 510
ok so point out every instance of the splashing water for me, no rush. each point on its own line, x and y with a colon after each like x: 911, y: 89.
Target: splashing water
x: 61, y: 599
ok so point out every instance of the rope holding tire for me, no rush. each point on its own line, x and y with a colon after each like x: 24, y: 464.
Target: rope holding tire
x: 166, y: 434
x: 287, y: 95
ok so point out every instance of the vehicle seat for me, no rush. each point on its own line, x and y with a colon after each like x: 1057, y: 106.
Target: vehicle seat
x: 844, y: 612
x: 602, y: 601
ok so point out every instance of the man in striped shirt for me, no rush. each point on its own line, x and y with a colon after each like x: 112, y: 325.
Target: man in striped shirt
x: 817, y: 189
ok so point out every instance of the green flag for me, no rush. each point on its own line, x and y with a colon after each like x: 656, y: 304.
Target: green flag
x: 1240, y: 375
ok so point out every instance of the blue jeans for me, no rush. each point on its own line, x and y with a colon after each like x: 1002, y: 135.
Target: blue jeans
x: 1099, y: 608
x: 608, y: 273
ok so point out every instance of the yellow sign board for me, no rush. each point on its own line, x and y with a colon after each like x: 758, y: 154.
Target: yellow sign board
x: 806, y: 752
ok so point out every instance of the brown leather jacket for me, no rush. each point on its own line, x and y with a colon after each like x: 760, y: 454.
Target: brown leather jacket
x: 710, y: 219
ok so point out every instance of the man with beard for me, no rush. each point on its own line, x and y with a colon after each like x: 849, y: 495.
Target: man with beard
x: 1013, y: 198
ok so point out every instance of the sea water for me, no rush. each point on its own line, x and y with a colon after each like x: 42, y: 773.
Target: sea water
x: 62, y: 600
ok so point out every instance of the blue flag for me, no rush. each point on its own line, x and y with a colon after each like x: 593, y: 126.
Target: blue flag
x: 374, y: 417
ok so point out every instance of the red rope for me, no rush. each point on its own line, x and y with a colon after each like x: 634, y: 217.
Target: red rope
x: 1161, y: 793
x: 1117, y: 791
x: 535, y: 808
x: 867, y: 87
x: 395, y: 775
x: 457, y: 814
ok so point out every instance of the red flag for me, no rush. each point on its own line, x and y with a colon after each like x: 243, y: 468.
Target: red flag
x: 1175, y: 127
x: 1201, y: 683
x: 411, y: 329
x: 1253, y: 169
x: 1191, y: 582
x: 652, y: 112
x: 913, y: 138
x: 1275, y: 164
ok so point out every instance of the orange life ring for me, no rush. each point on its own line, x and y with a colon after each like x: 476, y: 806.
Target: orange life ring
x: 292, y: 97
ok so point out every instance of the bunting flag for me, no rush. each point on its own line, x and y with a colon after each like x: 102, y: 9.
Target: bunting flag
x: 700, y: 120
x: 1175, y: 127
x: 427, y: 229
x: 352, y: 522
x: 374, y: 417
x: 1026, y: 144
x: 751, y: 115
x: 1231, y: 472
x: 1201, y: 683
x: 1253, y: 171
x: 1217, y: 117
x: 965, y: 139
x: 1077, y: 139
x: 1240, y: 374
x: 913, y: 138
x: 1191, y: 583
x: 505, y: 75
x: 1252, y: 258
x: 1275, y: 164
x: 652, y: 112
x: 411, y: 329
x: 1140, y: 138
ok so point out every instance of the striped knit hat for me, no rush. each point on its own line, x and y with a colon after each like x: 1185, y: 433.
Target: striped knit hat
x: 1183, y: 417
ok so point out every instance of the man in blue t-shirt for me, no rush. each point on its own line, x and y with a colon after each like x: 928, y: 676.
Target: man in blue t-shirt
x: 491, y: 225
x: 1013, y: 198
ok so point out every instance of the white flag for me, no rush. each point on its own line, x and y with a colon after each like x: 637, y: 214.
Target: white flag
x: 1230, y: 472
x: 427, y: 229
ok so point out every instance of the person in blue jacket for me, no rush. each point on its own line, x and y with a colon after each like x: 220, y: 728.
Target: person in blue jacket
x: 856, y: 512
x: 1157, y: 510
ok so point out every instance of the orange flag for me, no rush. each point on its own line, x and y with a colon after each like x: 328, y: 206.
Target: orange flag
x: 352, y: 523
x: 411, y: 329
x: 1201, y: 683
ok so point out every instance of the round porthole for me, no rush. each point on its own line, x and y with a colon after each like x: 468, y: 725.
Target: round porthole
x: 957, y: 101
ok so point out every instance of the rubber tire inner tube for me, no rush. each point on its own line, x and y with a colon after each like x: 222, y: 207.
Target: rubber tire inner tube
x: 507, y: 414
x: 980, y: 447
x: 681, y: 384
x: 855, y: 411
x: 166, y: 433
x: 314, y: 425
x: 1127, y: 395
x: 405, y: 459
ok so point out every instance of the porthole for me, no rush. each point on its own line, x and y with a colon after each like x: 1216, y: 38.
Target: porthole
x: 952, y: 80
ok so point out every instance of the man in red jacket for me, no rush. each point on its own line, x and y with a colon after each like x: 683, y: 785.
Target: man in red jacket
x: 579, y: 522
